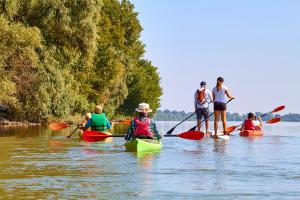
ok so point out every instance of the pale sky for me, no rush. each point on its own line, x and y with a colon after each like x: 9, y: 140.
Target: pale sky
x: 254, y: 45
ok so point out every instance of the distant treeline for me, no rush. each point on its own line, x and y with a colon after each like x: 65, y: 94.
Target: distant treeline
x: 168, y: 115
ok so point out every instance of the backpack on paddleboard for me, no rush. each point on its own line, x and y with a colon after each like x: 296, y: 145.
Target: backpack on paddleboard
x: 201, y: 96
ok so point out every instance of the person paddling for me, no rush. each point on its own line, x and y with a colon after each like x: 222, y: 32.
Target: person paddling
x: 142, y: 126
x: 97, y: 121
x: 202, y: 98
x: 219, y: 99
x: 252, y: 122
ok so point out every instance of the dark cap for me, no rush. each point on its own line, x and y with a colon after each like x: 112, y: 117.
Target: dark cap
x: 251, y: 114
x: 203, y: 83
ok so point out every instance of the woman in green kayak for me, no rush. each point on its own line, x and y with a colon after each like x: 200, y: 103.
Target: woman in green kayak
x: 142, y: 126
x: 97, y: 121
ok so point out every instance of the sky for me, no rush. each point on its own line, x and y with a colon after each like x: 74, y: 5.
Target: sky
x: 254, y: 45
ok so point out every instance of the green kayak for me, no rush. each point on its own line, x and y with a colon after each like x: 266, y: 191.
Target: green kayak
x: 143, y: 145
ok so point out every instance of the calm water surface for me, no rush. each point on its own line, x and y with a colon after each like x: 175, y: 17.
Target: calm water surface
x: 36, y: 163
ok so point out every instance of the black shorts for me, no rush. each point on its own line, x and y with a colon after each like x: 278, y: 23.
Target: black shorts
x: 202, y: 112
x: 219, y: 106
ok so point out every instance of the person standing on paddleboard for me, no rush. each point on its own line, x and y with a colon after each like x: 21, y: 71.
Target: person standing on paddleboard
x: 219, y: 99
x: 142, y: 126
x: 202, y: 98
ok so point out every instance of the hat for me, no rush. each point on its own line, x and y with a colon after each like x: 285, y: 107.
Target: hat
x: 251, y: 114
x: 98, y: 109
x: 203, y: 83
x: 144, y: 106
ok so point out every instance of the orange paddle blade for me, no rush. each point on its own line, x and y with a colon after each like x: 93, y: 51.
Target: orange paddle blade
x: 127, y: 122
x: 191, y: 135
x: 274, y: 120
x: 278, y: 109
x: 231, y: 128
x: 58, y: 126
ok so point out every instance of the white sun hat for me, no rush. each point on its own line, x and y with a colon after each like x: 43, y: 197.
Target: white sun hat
x: 144, y: 106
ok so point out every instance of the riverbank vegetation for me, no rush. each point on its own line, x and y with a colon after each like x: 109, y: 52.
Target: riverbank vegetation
x: 61, y: 58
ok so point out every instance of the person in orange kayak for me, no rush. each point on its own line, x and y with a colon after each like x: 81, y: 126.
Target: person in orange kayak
x: 219, y: 93
x: 202, y: 99
x: 97, y: 121
x: 142, y: 126
x: 252, y: 122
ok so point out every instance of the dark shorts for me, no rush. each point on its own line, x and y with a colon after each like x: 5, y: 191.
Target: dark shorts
x: 202, y: 112
x: 219, y: 106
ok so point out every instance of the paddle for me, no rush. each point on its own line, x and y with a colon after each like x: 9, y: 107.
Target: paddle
x: 232, y: 128
x: 271, y: 121
x: 172, y: 129
x: 189, y: 135
x: 194, y: 128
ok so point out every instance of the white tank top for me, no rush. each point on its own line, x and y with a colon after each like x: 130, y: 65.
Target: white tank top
x: 220, y: 95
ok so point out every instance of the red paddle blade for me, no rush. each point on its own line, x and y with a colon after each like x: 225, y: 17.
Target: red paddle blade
x: 274, y: 120
x: 231, y: 128
x: 94, y: 136
x: 58, y: 126
x: 191, y: 135
x: 278, y: 109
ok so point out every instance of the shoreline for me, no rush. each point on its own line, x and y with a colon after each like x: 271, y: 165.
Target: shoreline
x: 6, y: 122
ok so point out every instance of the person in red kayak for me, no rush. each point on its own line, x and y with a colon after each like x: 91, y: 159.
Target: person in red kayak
x: 202, y: 98
x: 219, y: 93
x: 252, y: 123
x: 142, y: 126
x: 97, y: 121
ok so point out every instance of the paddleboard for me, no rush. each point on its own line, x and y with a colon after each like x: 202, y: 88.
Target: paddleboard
x: 220, y: 135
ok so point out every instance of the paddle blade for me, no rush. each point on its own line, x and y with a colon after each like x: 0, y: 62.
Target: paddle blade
x: 274, y: 120
x: 278, y: 109
x: 58, y: 126
x: 194, y: 128
x: 231, y: 129
x: 126, y: 122
x: 171, y: 130
x: 191, y: 135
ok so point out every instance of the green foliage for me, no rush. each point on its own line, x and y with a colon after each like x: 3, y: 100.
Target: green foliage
x: 63, y: 57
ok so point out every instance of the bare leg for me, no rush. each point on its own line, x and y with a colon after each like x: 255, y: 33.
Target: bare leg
x: 217, y: 116
x: 223, y: 117
x: 206, y: 125
x: 199, y: 124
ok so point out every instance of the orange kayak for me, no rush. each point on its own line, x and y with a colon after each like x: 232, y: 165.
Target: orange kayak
x: 250, y: 133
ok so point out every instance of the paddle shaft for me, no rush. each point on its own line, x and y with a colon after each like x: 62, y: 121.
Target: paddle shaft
x: 192, y: 129
x: 172, y: 129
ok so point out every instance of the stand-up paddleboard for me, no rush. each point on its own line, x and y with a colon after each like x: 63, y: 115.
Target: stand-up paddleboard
x: 220, y: 135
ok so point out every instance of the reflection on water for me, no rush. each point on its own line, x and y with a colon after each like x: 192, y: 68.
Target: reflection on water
x: 41, y: 164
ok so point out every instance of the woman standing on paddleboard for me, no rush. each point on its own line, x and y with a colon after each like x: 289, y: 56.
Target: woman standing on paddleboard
x: 220, y: 104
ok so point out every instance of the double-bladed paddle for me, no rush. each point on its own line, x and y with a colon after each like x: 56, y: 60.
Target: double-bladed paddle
x: 271, y: 121
x: 232, y: 128
x: 194, y: 128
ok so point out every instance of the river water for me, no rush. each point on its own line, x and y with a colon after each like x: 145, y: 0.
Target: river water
x: 36, y: 163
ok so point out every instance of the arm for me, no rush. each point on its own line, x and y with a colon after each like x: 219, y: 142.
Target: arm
x: 87, y: 125
x: 228, y: 94
x: 213, y: 96
x: 108, y: 125
x: 196, y: 100
x: 155, y: 130
x: 130, y: 131
x: 210, y: 97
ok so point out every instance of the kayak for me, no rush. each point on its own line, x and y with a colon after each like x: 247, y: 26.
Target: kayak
x: 143, y: 145
x: 94, y: 136
x: 250, y: 133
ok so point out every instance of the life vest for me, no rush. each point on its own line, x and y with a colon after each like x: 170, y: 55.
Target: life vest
x: 142, y: 128
x: 99, y: 122
x: 201, y: 96
x: 248, y: 125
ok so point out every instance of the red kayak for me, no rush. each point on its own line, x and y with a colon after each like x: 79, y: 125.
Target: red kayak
x: 94, y: 136
x: 251, y: 133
